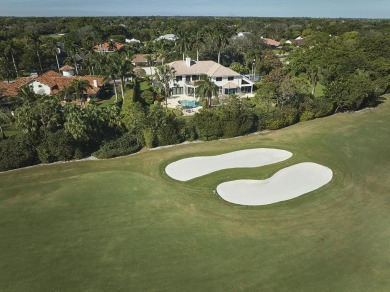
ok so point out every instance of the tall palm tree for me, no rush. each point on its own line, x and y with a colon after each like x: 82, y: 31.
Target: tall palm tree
x: 220, y: 39
x: 198, y: 40
x: 206, y: 89
x: 183, y: 42
x: 163, y: 77
x: 50, y: 47
x: 149, y: 59
x: 125, y: 70
x: 110, y: 73
x: 10, y: 50
x: 34, y: 39
x: 80, y: 86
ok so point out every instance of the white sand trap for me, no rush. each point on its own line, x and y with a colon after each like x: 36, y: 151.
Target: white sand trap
x: 286, y: 184
x: 189, y: 168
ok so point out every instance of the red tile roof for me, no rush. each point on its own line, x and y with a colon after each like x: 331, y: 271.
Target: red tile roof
x: 12, y: 89
x: 67, y: 68
x: 106, y: 47
x: 271, y: 42
x: 54, y: 80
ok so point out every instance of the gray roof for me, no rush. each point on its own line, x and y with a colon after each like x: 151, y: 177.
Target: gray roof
x: 209, y: 68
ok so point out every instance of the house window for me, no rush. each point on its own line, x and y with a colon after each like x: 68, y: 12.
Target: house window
x: 231, y: 78
x: 177, y: 90
x: 230, y: 91
x: 188, y: 78
x: 179, y: 78
x: 195, y: 77
x: 39, y: 85
x: 218, y: 79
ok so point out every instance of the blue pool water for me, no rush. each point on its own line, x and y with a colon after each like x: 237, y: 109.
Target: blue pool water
x: 189, y: 103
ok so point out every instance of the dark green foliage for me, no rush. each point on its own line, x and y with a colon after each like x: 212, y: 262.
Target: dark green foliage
x: 148, y: 97
x: 277, y: 118
x: 124, y: 145
x: 315, y: 108
x: 208, y: 125
x: 58, y: 146
x: 236, y: 118
x: 17, y: 151
x: 162, y: 127
x: 351, y: 93
x: 188, y: 130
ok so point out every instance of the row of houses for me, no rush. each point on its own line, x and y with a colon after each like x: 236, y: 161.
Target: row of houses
x: 187, y: 73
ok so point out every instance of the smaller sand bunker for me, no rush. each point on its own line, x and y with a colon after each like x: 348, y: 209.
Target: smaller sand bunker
x: 286, y: 184
x: 190, y: 168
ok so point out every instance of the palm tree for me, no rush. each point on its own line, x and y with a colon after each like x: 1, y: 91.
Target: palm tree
x: 5, y: 69
x: 35, y: 41
x: 10, y: 50
x: 198, y: 40
x: 206, y: 88
x: 163, y: 77
x: 184, y: 42
x: 110, y: 73
x: 220, y: 38
x: 80, y: 86
x: 66, y: 93
x: 149, y: 60
x: 123, y: 67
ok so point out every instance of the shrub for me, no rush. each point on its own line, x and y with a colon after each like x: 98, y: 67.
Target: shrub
x: 277, y: 118
x: 124, y: 145
x: 58, y: 146
x: 208, y: 125
x: 17, y: 151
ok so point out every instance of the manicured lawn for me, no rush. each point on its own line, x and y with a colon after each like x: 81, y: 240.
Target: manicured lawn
x: 123, y: 225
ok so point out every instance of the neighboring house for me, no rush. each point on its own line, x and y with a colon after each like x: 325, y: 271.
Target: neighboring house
x: 108, y: 47
x: 241, y: 35
x: 168, y: 37
x: 299, y: 41
x: 142, y: 61
x: 12, y: 88
x: 189, y: 71
x: 51, y: 82
x: 129, y: 41
x: 271, y: 42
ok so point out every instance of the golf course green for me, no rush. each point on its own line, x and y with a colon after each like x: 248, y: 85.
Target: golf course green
x: 124, y: 225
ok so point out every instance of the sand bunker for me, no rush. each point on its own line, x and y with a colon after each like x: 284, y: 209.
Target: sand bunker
x: 286, y: 184
x: 189, y: 168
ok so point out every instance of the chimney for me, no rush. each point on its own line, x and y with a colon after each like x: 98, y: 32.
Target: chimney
x: 95, y: 83
x: 188, y: 62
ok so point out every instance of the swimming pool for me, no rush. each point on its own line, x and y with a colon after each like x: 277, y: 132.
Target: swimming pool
x: 189, y: 103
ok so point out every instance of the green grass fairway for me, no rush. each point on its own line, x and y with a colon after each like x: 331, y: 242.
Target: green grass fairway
x: 123, y: 225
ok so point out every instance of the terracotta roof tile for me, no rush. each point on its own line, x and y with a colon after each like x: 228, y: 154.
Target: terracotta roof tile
x: 67, y: 68
x: 12, y: 88
x: 106, y: 47
x: 271, y: 42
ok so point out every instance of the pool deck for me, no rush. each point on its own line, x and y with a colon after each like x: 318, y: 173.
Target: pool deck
x: 173, y: 102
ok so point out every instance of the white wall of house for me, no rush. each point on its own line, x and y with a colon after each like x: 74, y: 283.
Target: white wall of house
x: 40, y: 88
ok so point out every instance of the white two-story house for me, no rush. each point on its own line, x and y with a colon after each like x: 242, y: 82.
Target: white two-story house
x: 189, y: 71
